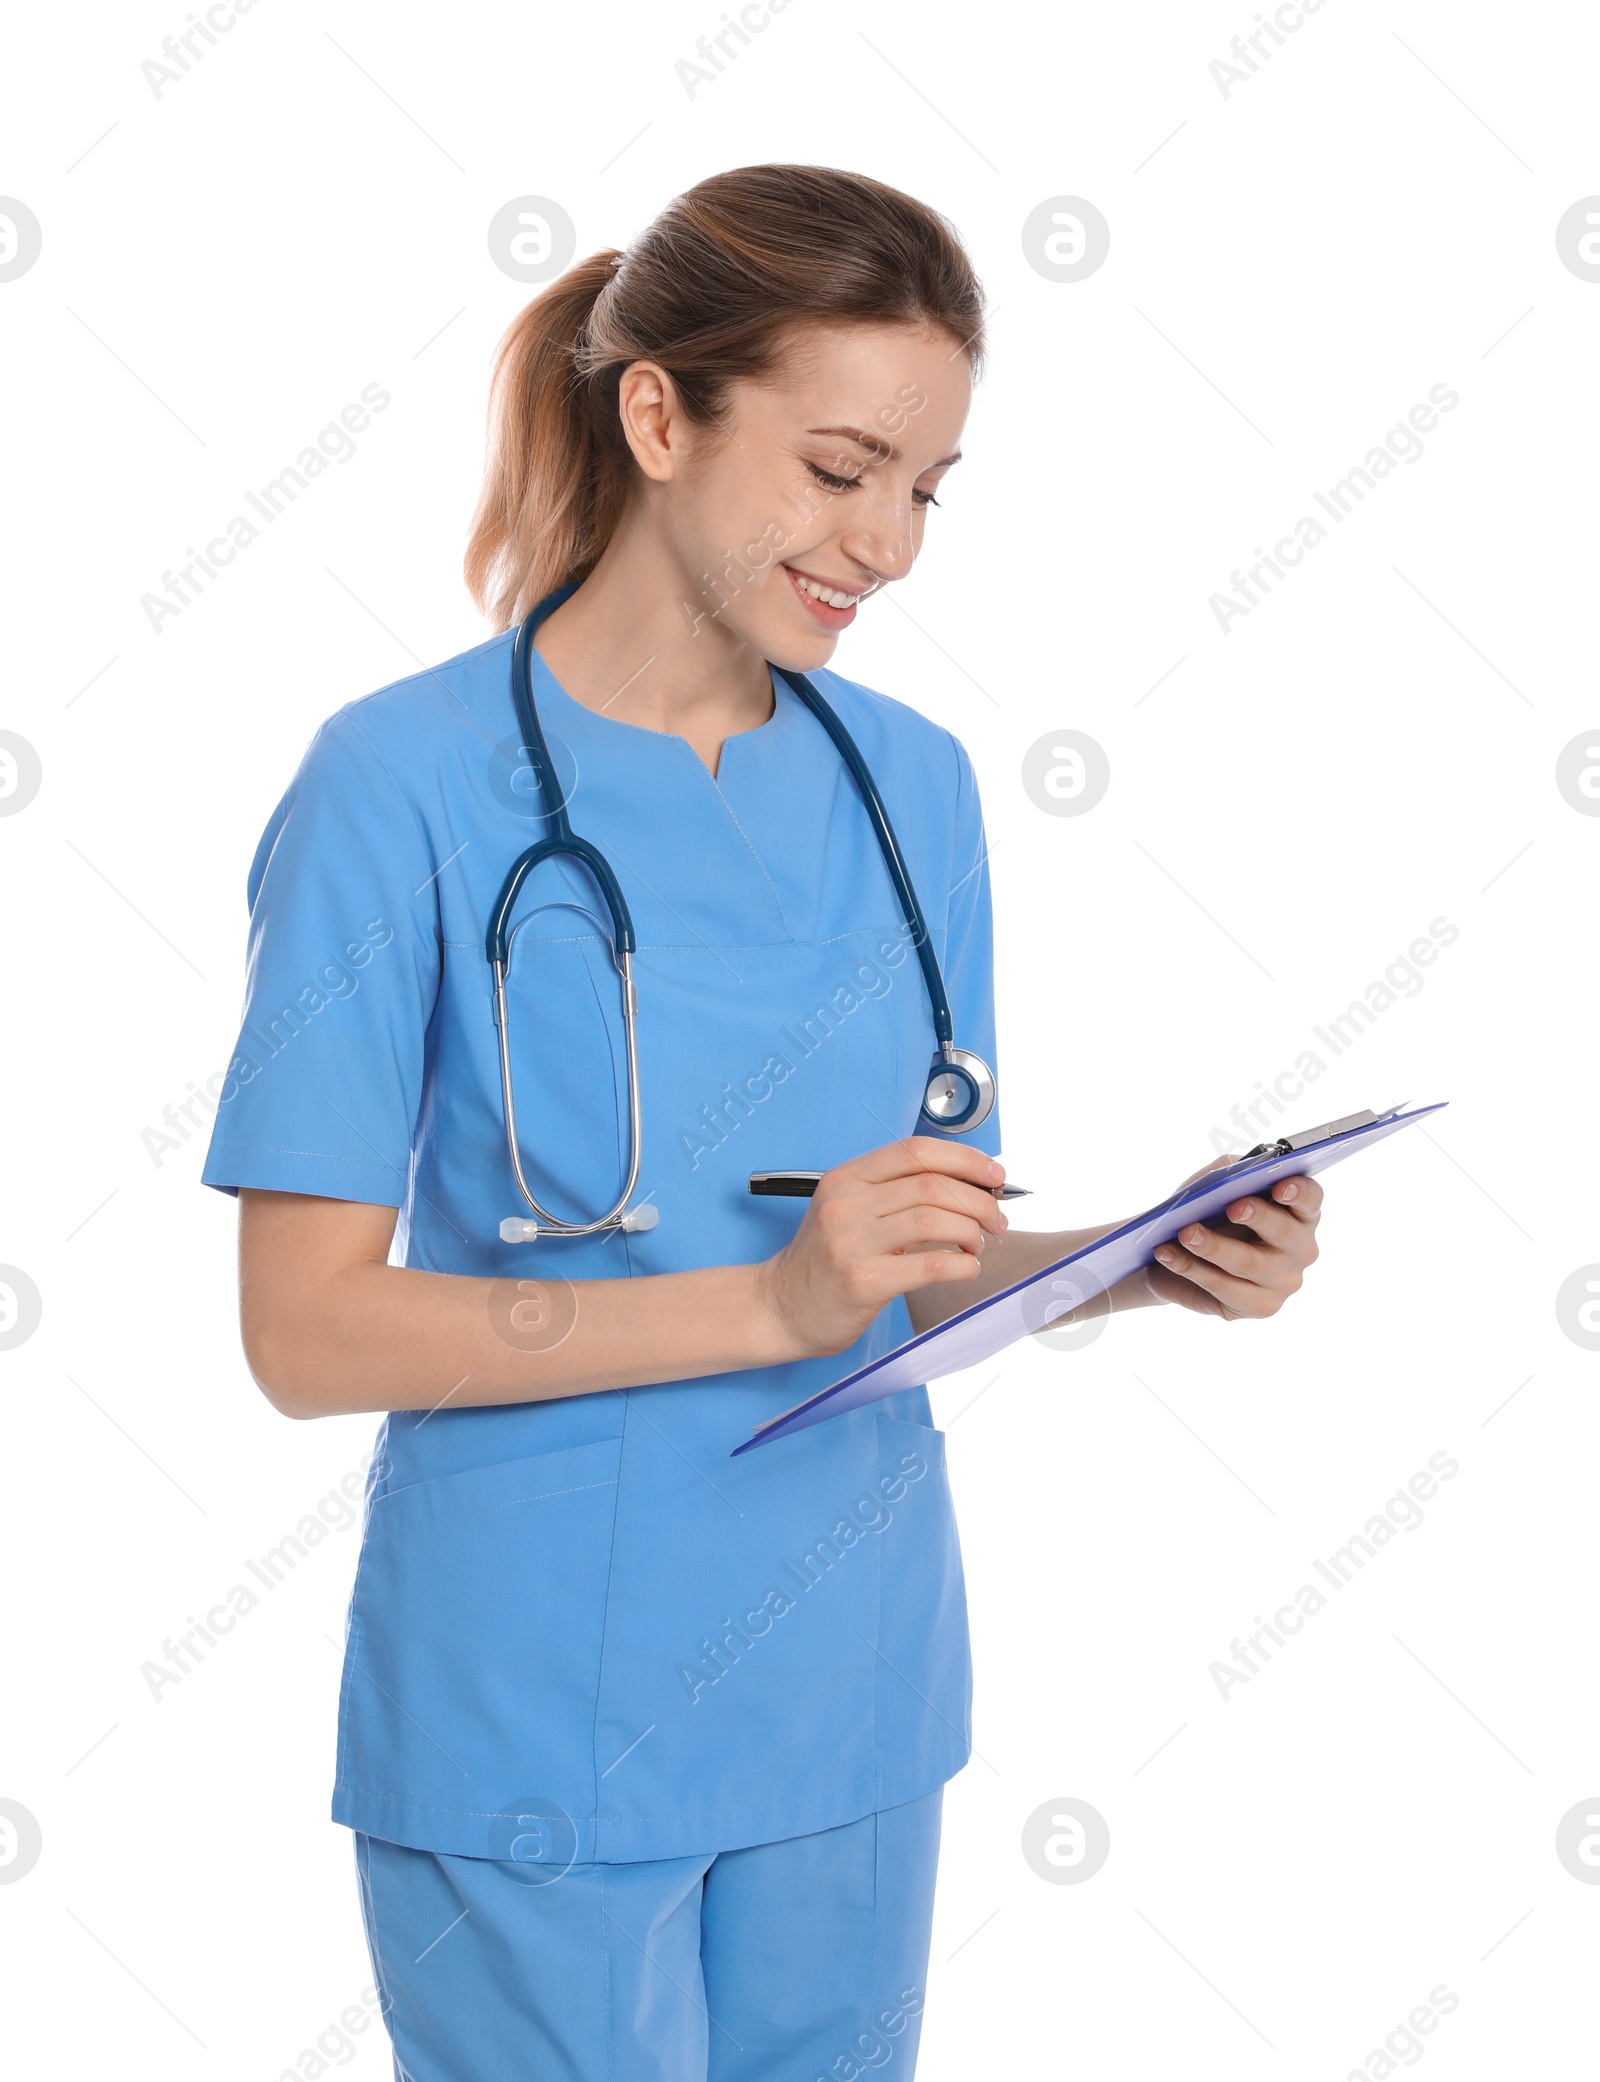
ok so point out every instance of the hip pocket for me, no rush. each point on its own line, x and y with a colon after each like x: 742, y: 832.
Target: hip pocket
x: 473, y: 1657
x: 922, y: 1640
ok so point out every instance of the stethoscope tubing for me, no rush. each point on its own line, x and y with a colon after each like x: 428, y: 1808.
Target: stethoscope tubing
x: 561, y: 840
x: 548, y: 1223
x: 850, y: 752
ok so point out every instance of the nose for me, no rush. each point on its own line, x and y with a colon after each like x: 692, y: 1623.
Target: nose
x: 880, y: 538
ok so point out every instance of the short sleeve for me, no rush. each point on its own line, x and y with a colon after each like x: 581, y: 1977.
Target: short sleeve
x: 323, y: 1091
x: 969, y: 942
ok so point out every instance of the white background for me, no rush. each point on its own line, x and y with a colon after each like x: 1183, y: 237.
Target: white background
x: 1372, y: 748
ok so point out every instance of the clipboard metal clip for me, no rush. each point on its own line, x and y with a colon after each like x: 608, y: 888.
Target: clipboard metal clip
x: 1286, y: 1145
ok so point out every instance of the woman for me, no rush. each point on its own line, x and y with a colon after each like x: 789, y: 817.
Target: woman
x: 643, y: 1745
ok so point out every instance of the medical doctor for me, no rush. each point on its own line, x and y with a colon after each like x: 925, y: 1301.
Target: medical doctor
x: 643, y: 1746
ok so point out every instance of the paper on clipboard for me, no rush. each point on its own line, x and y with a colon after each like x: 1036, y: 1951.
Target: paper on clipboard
x: 977, y: 1333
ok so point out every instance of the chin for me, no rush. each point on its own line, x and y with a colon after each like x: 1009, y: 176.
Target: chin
x: 801, y: 652
x: 785, y: 639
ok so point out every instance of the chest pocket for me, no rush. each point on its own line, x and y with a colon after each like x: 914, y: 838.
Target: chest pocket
x: 799, y: 1055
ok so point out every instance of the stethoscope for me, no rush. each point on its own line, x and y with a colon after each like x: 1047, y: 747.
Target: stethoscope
x: 959, y: 1094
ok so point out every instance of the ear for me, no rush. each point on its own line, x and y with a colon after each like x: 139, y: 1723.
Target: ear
x: 653, y: 420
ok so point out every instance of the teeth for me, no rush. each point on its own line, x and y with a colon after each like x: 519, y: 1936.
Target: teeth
x: 828, y: 595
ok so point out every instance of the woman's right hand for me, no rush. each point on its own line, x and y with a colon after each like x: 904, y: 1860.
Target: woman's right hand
x: 912, y: 1214
x: 331, y: 1327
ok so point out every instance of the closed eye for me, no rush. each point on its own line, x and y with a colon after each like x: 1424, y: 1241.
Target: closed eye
x: 835, y: 483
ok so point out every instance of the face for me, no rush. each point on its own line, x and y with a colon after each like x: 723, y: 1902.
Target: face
x: 813, y: 494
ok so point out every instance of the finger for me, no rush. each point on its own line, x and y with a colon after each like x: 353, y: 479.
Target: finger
x: 1279, y: 1226
x: 916, y: 1155
x: 927, y: 1229
x: 1303, y: 1196
x: 914, y: 1269
x: 1239, y: 1297
x: 932, y: 1189
x: 1173, y: 1287
x: 1246, y: 1261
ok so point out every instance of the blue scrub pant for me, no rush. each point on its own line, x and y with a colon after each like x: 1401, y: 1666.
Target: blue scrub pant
x: 783, y: 1962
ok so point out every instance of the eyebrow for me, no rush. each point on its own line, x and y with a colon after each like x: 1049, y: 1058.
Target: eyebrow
x: 879, y: 447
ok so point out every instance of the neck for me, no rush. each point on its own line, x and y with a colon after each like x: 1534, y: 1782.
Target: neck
x: 633, y: 643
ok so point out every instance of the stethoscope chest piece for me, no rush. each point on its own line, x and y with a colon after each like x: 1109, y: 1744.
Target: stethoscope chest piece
x: 960, y: 1092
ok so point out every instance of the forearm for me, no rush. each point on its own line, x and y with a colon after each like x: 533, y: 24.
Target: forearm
x: 1018, y: 1255
x: 331, y: 1327
x: 376, y: 1337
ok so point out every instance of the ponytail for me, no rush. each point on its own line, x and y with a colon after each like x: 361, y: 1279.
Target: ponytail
x: 553, y: 487
x: 712, y: 291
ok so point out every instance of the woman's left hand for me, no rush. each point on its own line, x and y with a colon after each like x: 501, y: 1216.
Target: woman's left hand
x: 1247, y: 1265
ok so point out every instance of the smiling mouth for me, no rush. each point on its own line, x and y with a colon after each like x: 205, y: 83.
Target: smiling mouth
x: 833, y: 606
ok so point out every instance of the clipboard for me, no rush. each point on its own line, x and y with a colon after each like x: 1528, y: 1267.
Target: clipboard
x: 977, y: 1333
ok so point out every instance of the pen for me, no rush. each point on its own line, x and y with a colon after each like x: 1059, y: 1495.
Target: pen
x: 800, y: 1185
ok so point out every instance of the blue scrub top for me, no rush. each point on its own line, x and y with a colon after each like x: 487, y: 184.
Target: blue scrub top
x: 583, y: 1611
